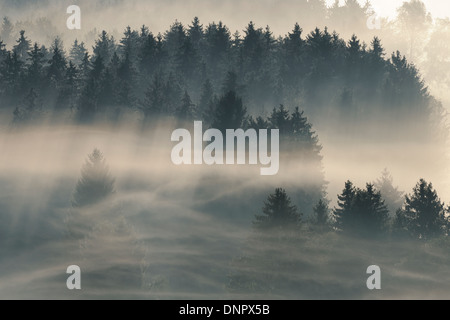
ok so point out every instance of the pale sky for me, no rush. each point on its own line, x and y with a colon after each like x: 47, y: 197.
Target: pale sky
x: 438, y: 8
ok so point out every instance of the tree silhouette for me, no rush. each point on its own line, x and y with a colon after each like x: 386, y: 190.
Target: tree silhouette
x: 22, y: 47
x: 229, y: 113
x: 186, y: 111
x: 95, y: 183
x: 361, y: 211
x: 322, y: 216
x: 77, y: 53
x: 278, y: 212
x: 31, y: 109
x: 392, y: 196
x: 7, y: 30
x: 345, y: 205
x: 423, y: 214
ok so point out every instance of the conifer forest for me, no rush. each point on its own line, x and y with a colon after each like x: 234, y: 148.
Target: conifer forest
x: 115, y: 149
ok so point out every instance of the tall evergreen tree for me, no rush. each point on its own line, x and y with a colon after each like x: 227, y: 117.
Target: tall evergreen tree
x: 186, y: 111
x: 57, y: 64
x: 22, y: 47
x: 344, y: 205
x: 423, y: 214
x: 322, y: 216
x: 195, y: 33
x: 104, y: 47
x: 35, y: 67
x: 230, y: 112
x: 154, y: 101
x: 30, y: 111
x: 7, y: 31
x: 77, y: 53
x: 278, y: 213
x: 95, y: 183
x: 392, y: 196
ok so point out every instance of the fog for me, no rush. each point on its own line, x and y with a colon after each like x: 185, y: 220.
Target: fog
x: 178, y: 232
x: 188, y: 231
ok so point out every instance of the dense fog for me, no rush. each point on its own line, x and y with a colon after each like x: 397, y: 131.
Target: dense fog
x: 87, y: 179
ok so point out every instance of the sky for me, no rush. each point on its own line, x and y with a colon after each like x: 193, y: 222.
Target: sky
x: 387, y: 8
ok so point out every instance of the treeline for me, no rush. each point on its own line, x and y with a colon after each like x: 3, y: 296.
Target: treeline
x: 363, y: 213
x: 378, y: 210
x: 187, y: 70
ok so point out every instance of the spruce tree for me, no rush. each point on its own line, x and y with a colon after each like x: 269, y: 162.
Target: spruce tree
x: 230, y: 112
x: 95, y: 183
x: 278, y: 213
x: 423, y: 214
x: 322, y: 217
x: 392, y: 196
x: 186, y: 111
x: 344, y: 205
x: 7, y: 31
x: 22, y: 47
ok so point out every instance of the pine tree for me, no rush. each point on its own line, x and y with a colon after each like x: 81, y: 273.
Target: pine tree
x: 292, y: 63
x: 370, y: 213
x: 31, y: 109
x: 77, y: 53
x: 35, y: 67
x: 322, y: 217
x: 186, y: 110
x: 175, y: 37
x: 104, y: 47
x: 127, y: 74
x: 95, y: 183
x: 423, y: 214
x: 57, y: 64
x: 195, y: 32
x: 7, y: 31
x: 22, y: 47
x: 230, y: 112
x: 129, y: 44
x: 3, y: 51
x: 147, y: 56
x: 360, y: 211
x: 278, y: 213
x: 392, y: 196
x: 376, y: 49
x: 12, y: 70
x: 89, y: 101
x: 345, y: 205
x: 280, y: 119
x: 68, y: 92
x: 187, y: 60
x: 154, y: 101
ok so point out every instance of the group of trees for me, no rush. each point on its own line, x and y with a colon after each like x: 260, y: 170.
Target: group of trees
x: 363, y: 212
x: 189, y: 70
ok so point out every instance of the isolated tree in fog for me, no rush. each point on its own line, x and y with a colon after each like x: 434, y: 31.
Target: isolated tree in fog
x: 278, y: 212
x: 423, y: 214
x: 95, y: 183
